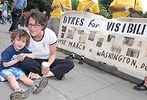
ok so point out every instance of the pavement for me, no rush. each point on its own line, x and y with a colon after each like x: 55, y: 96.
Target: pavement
x: 84, y: 82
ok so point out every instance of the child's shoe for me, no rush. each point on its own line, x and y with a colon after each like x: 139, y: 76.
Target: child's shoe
x: 19, y: 94
x: 39, y: 85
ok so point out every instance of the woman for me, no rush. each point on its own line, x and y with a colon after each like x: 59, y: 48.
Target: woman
x: 122, y: 8
x: 5, y: 12
x: 43, y: 43
x: 59, y: 7
x: 88, y: 6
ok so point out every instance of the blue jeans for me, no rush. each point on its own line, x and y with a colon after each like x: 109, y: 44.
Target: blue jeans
x: 16, y: 72
x: 4, y: 20
x: 15, y: 21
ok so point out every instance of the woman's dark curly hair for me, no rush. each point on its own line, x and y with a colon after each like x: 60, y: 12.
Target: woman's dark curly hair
x: 37, y: 16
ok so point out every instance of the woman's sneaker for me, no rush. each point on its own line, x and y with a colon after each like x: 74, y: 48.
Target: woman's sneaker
x: 19, y: 94
x: 39, y: 85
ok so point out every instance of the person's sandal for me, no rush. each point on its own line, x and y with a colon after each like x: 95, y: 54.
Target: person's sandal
x: 140, y: 87
x: 34, y: 76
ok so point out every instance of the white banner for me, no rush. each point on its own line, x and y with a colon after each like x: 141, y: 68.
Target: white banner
x: 118, y: 42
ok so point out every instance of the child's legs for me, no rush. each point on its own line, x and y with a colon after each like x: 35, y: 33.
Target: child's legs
x: 21, y: 76
x: 13, y: 82
x: 7, y: 73
x: 26, y: 80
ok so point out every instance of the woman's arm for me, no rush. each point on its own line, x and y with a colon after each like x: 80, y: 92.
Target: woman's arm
x: 52, y: 53
x: 116, y: 8
x: 30, y: 55
x: 53, y: 6
x: 66, y: 7
x: 136, y: 11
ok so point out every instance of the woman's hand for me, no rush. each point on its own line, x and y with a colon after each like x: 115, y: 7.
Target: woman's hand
x: 53, y: 6
x: 136, y: 11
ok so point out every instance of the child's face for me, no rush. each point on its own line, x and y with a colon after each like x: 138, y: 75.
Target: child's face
x: 19, y: 43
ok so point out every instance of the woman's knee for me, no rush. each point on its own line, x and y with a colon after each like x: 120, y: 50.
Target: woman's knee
x: 30, y: 64
x: 70, y: 63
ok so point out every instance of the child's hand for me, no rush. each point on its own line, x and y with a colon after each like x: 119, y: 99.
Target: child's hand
x: 21, y: 57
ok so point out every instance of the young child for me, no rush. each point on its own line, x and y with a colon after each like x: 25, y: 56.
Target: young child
x: 11, y: 70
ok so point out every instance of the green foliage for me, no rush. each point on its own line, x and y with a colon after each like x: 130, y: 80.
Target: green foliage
x: 145, y: 15
x: 42, y: 5
x: 104, y: 5
x: 74, y: 4
x: 45, y: 5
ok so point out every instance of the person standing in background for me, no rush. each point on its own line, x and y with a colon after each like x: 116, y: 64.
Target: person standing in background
x: 1, y: 9
x: 4, y: 12
x: 122, y: 8
x: 17, y: 7
x: 88, y: 6
x: 59, y: 7
x: 22, y: 19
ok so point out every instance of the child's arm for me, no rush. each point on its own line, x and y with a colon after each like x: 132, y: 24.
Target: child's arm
x: 10, y: 63
x: 19, y: 58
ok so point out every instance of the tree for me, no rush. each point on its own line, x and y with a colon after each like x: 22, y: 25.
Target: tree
x: 145, y: 15
x: 42, y: 5
x: 104, y: 5
x: 75, y: 4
